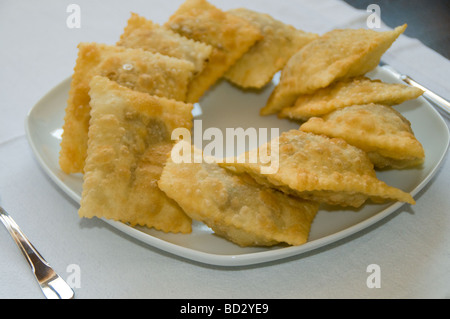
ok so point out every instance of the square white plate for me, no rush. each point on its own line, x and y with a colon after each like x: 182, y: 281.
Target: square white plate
x: 226, y: 106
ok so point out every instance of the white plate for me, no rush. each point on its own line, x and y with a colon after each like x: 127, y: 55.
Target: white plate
x: 227, y: 106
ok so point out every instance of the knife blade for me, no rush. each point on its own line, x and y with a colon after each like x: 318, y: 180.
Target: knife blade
x: 437, y: 100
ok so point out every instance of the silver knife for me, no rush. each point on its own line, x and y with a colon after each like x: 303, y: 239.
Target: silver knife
x: 52, y: 285
x: 439, y: 101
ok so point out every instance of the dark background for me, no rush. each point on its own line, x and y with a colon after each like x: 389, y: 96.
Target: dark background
x: 428, y: 21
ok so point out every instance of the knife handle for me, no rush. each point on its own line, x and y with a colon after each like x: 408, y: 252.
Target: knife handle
x: 433, y: 97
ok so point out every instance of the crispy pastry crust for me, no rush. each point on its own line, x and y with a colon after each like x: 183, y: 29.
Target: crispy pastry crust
x: 236, y: 207
x: 147, y: 35
x: 318, y: 168
x: 338, y: 54
x: 148, y: 72
x: 129, y: 139
x: 353, y: 91
x: 269, y: 55
x: 230, y: 36
x: 379, y: 130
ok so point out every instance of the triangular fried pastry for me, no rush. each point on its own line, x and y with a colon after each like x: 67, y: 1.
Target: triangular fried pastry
x: 269, y: 55
x: 129, y: 141
x: 318, y: 168
x: 382, y: 132
x: 354, y: 91
x: 230, y: 36
x: 142, y: 71
x: 235, y: 206
x: 338, y: 54
x: 144, y: 34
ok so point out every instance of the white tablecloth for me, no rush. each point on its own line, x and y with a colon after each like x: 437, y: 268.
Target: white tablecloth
x: 38, y: 50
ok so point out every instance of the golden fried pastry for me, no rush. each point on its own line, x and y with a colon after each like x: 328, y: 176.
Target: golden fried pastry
x: 269, y: 55
x: 354, y: 91
x: 382, y: 132
x: 142, y: 71
x: 338, y: 54
x: 235, y: 206
x: 144, y: 34
x: 230, y: 36
x: 319, y: 168
x: 129, y: 141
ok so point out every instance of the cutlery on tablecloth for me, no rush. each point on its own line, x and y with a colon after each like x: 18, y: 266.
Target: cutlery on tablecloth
x: 52, y: 285
x: 439, y: 101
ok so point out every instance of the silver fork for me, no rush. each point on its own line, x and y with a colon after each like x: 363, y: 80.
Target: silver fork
x: 438, y: 100
x: 52, y: 285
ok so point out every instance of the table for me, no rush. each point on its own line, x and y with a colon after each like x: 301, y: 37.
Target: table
x: 38, y: 51
x: 426, y: 21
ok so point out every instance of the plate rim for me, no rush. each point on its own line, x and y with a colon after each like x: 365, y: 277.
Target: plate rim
x: 244, y: 259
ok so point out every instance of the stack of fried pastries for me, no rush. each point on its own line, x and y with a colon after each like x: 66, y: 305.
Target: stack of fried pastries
x: 126, y: 99
x: 236, y: 206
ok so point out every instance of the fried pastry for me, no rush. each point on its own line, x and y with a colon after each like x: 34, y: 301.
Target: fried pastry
x: 230, y: 36
x: 338, y: 54
x: 354, y: 91
x: 269, y: 55
x: 129, y: 141
x: 318, y: 168
x: 379, y: 130
x: 235, y: 206
x: 144, y: 34
x: 142, y: 71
